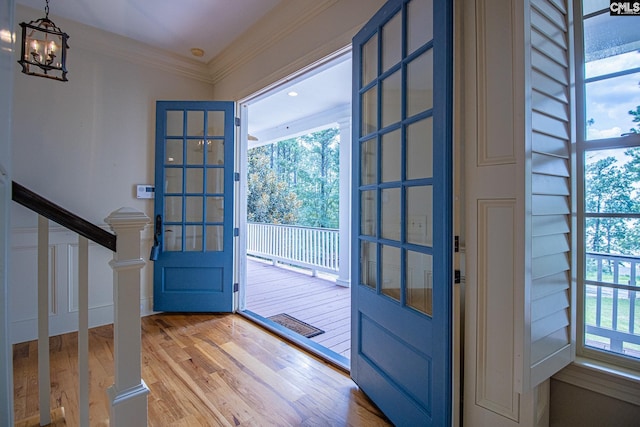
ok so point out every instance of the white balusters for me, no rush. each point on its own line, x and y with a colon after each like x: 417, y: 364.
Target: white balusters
x: 83, y: 329
x: 44, y: 376
x: 315, y: 248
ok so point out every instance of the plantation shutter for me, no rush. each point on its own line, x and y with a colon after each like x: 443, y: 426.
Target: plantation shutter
x: 549, y: 311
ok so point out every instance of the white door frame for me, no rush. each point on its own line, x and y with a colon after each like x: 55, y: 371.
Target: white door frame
x: 242, y: 146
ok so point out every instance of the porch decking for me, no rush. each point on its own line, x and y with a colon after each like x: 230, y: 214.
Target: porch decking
x: 317, y: 301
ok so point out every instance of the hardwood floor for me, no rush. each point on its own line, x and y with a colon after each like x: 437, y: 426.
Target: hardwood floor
x: 314, y: 300
x: 203, y: 370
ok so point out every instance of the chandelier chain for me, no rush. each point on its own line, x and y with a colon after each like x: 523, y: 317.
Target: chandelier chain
x: 46, y: 9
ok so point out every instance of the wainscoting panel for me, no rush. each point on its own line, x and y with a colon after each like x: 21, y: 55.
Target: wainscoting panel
x: 495, y: 325
x: 63, y: 283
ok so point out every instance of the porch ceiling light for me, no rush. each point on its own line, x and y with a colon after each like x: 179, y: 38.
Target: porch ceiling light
x: 44, y: 49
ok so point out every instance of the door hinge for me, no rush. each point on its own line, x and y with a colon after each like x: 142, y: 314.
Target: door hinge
x: 456, y: 276
x: 236, y: 232
x: 236, y: 176
x: 236, y: 287
x: 237, y: 121
x: 456, y: 244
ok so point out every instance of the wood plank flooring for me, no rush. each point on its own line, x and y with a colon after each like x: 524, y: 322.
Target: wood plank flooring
x: 203, y: 370
x: 314, y: 300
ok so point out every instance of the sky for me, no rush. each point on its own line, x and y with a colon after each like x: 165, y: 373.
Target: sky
x: 608, y: 101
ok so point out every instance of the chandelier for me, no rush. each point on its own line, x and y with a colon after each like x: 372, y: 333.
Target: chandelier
x: 44, y: 49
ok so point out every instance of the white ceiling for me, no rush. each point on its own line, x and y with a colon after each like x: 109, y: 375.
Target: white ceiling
x: 172, y: 25
x: 323, y: 98
x: 179, y: 25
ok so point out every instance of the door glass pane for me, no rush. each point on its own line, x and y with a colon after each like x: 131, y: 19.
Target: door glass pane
x: 391, y: 99
x: 194, y: 209
x: 195, y: 180
x: 419, y: 215
x: 369, y: 111
x: 420, y: 282
x: 174, y: 152
x: 369, y: 162
x: 193, y: 238
x: 174, y: 123
x: 195, y: 151
x: 215, y: 180
x: 368, y: 263
x: 215, y: 152
x: 370, y: 60
x: 391, y: 272
x: 173, y: 180
x: 215, y: 123
x: 420, y: 149
x: 420, y: 84
x: 392, y: 42
x: 195, y: 123
x: 215, y: 238
x: 215, y: 209
x: 368, y: 213
x: 173, y: 209
x: 172, y: 238
x: 391, y: 213
x: 419, y: 23
x: 391, y: 154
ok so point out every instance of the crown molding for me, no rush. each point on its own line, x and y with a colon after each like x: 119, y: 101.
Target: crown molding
x: 308, y: 62
x: 287, y: 17
x: 145, y: 55
x: 99, y: 41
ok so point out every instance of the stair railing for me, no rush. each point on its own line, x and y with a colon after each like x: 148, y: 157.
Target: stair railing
x: 128, y: 395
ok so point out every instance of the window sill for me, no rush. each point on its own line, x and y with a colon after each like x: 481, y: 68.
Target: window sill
x: 610, y: 380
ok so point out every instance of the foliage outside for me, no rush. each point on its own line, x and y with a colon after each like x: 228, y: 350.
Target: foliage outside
x: 612, y: 186
x: 296, y: 181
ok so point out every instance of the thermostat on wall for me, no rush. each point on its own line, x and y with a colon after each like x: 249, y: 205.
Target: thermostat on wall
x: 145, y: 191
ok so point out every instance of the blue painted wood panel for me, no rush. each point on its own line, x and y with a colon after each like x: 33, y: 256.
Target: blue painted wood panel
x: 194, y: 188
x: 402, y: 244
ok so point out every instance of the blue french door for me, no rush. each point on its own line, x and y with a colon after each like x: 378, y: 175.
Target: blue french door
x: 194, y: 188
x: 402, y: 211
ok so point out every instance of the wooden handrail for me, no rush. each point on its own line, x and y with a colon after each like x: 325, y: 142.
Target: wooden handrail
x: 59, y: 215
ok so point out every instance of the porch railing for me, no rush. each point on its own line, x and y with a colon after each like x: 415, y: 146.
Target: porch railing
x: 128, y: 395
x: 310, y: 247
x: 611, y: 302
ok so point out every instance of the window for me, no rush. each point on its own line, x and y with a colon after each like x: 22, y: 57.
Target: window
x: 608, y: 152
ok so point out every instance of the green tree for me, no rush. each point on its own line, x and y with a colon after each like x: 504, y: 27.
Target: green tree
x: 609, y: 189
x: 319, y: 179
x: 269, y: 199
x: 307, y: 166
x: 636, y: 119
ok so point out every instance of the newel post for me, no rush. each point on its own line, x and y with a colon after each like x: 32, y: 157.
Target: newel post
x: 128, y: 396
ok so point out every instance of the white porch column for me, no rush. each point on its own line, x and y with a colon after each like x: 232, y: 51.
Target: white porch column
x: 344, y: 262
x: 128, y: 396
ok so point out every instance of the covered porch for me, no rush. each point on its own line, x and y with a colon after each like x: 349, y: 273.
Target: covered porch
x: 316, y: 300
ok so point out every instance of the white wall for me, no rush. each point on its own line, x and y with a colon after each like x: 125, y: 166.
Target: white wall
x: 84, y: 144
x: 576, y: 406
x: 6, y: 83
x: 294, y: 35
